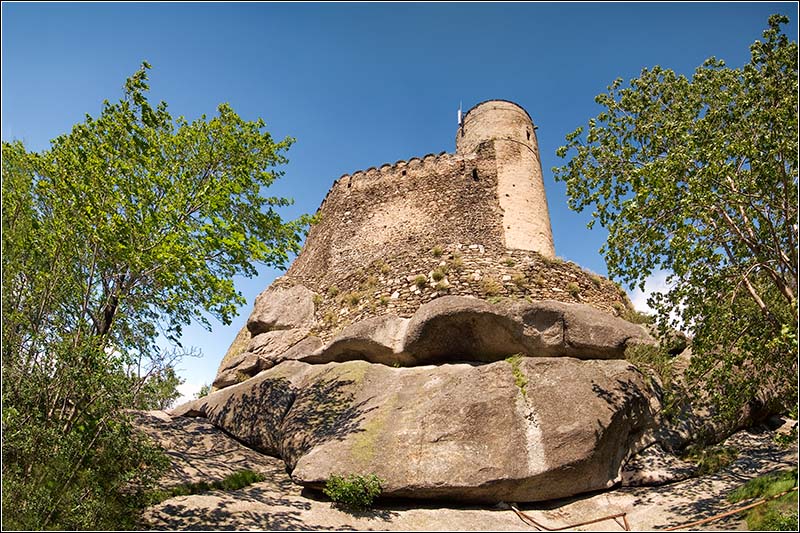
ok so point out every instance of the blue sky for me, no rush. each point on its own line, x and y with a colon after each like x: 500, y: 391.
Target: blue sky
x: 356, y: 84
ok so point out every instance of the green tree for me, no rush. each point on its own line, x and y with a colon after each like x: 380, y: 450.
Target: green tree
x: 128, y: 227
x: 204, y: 391
x: 698, y: 177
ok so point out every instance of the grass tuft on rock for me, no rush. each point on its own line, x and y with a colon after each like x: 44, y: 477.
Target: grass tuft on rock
x: 519, y: 378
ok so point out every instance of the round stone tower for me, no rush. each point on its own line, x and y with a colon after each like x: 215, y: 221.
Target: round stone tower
x: 520, y: 186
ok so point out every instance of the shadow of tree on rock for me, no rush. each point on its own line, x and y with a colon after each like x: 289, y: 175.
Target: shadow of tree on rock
x: 255, y: 415
x: 324, y: 411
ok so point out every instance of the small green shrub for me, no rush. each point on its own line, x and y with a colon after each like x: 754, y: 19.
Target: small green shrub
x: 509, y: 262
x: 491, y: 287
x: 765, y: 486
x: 573, y: 289
x: 239, y: 479
x: 637, y: 317
x: 651, y: 359
x: 204, y: 391
x: 437, y: 251
x: 420, y: 281
x: 354, y: 491
x: 233, y: 481
x: 384, y: 300
x: 442, y: 287
x: 457, y: 263
x: 551, y: 261
x: 330, y: 318
x: 352, y: 298
x: 437, y: 275
x: 710, y: 459
x: 519, y: 280
x: 317, y: 300
x: 382, y: 267
x: 333, y: 291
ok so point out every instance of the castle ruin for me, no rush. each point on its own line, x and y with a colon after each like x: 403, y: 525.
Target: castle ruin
x: 471, y: 223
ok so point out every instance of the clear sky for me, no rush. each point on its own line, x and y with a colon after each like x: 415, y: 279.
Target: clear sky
x: 357, y: 85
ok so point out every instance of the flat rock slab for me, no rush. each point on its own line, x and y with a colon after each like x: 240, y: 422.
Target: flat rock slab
x: 279, y: 505
x: 199, y: 451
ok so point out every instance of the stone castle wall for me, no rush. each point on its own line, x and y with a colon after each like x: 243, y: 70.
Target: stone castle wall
x: 400, y: 211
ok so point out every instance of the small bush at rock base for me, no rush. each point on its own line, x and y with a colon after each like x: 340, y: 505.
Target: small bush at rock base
x: 710, y: 459
x: 233, y: 481
x: 354, y: 491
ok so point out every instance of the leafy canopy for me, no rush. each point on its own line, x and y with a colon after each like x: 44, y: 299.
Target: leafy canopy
x: 130, y: 226
x: 698, y: 177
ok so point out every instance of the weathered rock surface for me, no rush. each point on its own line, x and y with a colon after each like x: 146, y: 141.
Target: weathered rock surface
x: 264, y: 351
x: 541, y: 429
x: 282, y: 308
x: 456, y: 328
x: 377, y: 340
x: 655, y: 466
x: 278, y: 504
x: 197, y: 450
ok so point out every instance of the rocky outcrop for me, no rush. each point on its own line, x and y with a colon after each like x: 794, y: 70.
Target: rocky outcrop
x: 537, y: 429
x: 280, y: 320
x: 449, y: 329
x: 282, y: 308
x: 277, y: 504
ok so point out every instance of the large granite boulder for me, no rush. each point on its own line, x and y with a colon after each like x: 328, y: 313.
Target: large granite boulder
x: 280, y: 321
x: 526, y: 430
x: 282, y: 308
